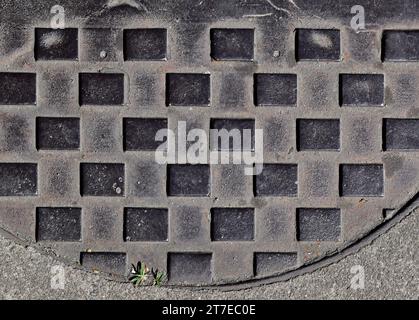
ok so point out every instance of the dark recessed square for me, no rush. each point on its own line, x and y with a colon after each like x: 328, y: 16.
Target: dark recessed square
x: 268, y: 263
x: 232, y: 44
x: 275, y: 89
x: 401, y: 134
x: 18, y: 179
x: 232, y: 224
x: 190, y: 268
x: 108, y: 262
x: 17, y: 88
x: 145, y: 44
x: 232, y: 134
x: 102, y: 179
x: 187, y: 180
x: 140, y: 133
x: 146, y: 224
x: 361, y: 90
x: 101, y: 88
x: 318, y: 134
x: 322, y: 224
x: 361, y: 180
x: 56, y: 44
x: 400, y: 45
x: 317, y: 44
x: 277, y: 180
x: 58, y: 224
x: 188, y: 89
x: 57, y: 133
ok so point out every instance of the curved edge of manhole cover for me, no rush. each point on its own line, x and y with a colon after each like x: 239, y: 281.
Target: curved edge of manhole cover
x: 351, y: 248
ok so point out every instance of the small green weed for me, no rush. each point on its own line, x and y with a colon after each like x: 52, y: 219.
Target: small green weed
x: 140, y: 275
x: 158, y: 277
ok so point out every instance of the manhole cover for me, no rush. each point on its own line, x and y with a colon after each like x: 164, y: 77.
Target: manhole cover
x: 330, y: 88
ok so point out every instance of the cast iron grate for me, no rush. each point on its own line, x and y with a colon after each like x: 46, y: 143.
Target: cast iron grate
x: 80, y: 107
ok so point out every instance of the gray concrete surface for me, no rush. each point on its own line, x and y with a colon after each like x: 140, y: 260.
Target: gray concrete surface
x: 390, y: 262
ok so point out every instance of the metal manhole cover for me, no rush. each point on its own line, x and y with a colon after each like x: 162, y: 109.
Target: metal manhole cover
x: 85, y: 87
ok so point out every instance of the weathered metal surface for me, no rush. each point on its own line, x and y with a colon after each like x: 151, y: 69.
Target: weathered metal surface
x: 338, y: 109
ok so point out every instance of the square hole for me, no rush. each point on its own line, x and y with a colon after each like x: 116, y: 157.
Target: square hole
x: 232, y: 44
x: 100, y: 44
x: 238, y: 134
x: 317, y: 44
x: 108, y: 262
x: 102, y: 179
x: 232, y: 224
x: 401, y: 134
x: 268, y: 263
x: 101, y: 88
x: 140, y: 133
x: 361, y: 180
x: 190, y: 268
x: 22, y: 179
x: 400, y: 45
x: 361, y: 90
x: 17, y: 88
x: 277, y: 180
x: 58, y: 224
x: 188, y: 180
x: 275, y: 89
x: 145, y: 44
x: 57, y: 133
x: 318, y: 134
x: 56, y: 44
x: 146, y: 224
x: 318, y: 224
x: 188, y: 89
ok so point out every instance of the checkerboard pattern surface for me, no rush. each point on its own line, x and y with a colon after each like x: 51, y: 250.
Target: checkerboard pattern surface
x: 78, y: 121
